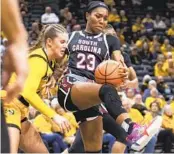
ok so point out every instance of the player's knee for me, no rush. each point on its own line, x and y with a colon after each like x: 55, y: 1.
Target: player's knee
x: 106, y: 90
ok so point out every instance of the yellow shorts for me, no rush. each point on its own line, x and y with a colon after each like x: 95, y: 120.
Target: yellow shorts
x: 15, y: 112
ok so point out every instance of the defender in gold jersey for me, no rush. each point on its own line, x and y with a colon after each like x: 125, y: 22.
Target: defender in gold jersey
x: 51, y: 45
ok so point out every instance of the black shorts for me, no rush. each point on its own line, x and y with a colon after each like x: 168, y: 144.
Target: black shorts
x: 65, y: 101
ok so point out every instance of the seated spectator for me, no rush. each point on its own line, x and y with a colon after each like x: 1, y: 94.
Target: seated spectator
x: 66, y: 14
x: 48, y: 130
x: 168, y: 118
x: 68, y: 136
x: 137, y: 26
x: 151, y: 84
x: 114, y: 18
x: 162, y: 87
x: 161, y: 67
x: 110, y: 3
x: 123, y: 18
x: 23, y: 7
x: 146, y: 80
x: 166, y: 47
x: 165, y: 136
x: 141, y: 40
x: 145, y: 53
x: 120, y: 36
x: 48, y: 17
x: 130, y: 93
x: 148, y: 23
x: 170, y: 31
x: 134, y: 114
x: 139, y: 104
x: 135, y: 57
x: 170, y: 5
x: 154, y: 111
x: 154, y: 96
x: 159, y: 24
x: 137, y: 3
x: 154, y: 46
x: 34, y: 33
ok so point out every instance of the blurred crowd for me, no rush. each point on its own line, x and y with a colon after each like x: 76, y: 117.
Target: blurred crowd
x: 147, y: 37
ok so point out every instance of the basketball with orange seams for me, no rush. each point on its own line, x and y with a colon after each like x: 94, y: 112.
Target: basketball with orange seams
x: 107, y: 73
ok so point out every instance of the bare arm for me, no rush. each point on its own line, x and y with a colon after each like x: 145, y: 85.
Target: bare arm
x: 133, y: 78
x: 17, y: 49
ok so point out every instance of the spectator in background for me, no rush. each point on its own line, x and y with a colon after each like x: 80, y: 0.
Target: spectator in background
x: 145, y: 52
x: 114, y: 18
x: 170, y: 31
x: 162, y: 87
x: 168, y: 118
x: 123, y: 18
x: 66, y: 14
x: 161, y: 67
x: 130, y: 93
x: 134, y: 114
x: 120, y: 36
x: 159, y: 24
x: 151, y: 84
x: 34, y: 33
x: 146, y: 80
x: 154, y: 111
x: 137, y: 26
x: 110, y: 3
x: 166, y: 47
x: 135, y: 57
x: 154, y: 46
x: 154, y: 96
x: 137, y: 3
x: 165, y: 135
x: 23, y: 7
x: 48, y: 17
x: 148, y: 23
x: 170, y: 62
x: 139, y: 104
x: 170, y: 5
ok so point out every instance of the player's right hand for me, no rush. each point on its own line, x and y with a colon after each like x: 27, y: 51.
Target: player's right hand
x: 15, y: 60
x: 123, y: 72
x: 62, y: 122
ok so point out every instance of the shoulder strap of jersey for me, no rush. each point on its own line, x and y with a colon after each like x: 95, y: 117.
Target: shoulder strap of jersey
x: 39, y: 56
x: 107, y: 47
x: 71, y: 36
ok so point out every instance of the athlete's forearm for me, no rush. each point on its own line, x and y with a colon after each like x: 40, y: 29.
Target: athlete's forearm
x: 38, y: 104
x: 117, y: 56
x: 134, y: 83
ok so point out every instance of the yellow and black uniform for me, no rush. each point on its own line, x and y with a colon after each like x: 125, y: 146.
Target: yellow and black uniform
x: 39, y: 72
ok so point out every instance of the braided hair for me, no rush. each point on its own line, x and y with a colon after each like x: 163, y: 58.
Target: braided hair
x: 48, y: 31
